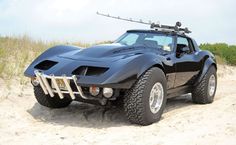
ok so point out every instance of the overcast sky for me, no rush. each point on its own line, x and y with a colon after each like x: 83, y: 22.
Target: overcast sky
x: 76, y: 20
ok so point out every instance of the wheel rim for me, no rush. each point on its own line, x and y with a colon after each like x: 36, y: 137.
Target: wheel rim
x: 156, y: 97
x: 212, y: 85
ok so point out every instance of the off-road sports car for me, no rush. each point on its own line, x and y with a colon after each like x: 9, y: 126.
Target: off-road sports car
x: 142, y: 68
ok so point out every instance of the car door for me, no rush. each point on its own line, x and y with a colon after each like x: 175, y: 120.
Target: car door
x: 164, y: 44
x: 186, y: 62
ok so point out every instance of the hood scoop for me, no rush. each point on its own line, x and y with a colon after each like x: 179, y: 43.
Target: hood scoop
x: 123, y: 50
x: 89, y: 71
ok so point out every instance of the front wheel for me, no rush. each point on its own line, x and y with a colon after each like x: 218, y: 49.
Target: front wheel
x: 145, y: 101
x: 50, y: 102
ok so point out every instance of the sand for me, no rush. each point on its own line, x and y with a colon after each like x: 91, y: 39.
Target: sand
x: 24, y: 121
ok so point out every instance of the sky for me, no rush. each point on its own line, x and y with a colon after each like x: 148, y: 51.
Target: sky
x: 75, y: 20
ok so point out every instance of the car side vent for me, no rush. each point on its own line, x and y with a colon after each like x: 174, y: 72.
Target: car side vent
x: 89, y: 71
x: 45, y: 65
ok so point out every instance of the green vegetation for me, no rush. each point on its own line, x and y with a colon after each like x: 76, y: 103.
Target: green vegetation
x: 224, y: 52
x: 17, y: 53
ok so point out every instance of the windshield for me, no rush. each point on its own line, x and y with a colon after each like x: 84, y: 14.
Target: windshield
x: 153, y: 40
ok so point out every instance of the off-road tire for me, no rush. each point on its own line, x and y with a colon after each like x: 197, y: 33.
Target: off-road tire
x: 51, y: 102
x: 136, y: 100
x: 200, y: 93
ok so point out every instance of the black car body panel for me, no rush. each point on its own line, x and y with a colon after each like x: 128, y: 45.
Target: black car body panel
x: 120, y: 65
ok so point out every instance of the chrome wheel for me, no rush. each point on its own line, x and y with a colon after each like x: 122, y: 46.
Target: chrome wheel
x: 212, y: 85
x: 156, y: 97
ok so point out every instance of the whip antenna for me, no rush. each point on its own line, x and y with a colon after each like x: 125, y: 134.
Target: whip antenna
x: 125, y: 19
x: 157, y: 26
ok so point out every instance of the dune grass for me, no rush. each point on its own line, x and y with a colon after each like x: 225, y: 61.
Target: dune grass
x: 16, y: 53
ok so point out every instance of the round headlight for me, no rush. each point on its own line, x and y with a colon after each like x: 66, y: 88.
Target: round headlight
x: 94, y: 90
x: 34, y: 82
x: 107, y: 92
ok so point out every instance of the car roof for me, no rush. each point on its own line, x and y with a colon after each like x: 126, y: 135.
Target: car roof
x: 155, y: 31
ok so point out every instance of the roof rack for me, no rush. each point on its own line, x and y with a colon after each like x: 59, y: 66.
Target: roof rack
x: 157, y: 26
x: 168, y: 28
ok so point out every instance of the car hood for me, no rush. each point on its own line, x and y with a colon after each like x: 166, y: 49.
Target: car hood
x: 121, y: 63
x: 105, y: 52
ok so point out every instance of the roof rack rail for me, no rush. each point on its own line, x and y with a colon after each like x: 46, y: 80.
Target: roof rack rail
x: 177, y: 28
x: 157, y: 26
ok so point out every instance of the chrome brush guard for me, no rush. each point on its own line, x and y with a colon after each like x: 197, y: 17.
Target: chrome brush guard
x: 48, y: 89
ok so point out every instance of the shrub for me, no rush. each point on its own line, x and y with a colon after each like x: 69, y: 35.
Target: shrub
x: 224, y: 51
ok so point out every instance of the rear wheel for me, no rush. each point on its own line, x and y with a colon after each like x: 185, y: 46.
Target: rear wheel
x: 145, y: 101
x: 204, y: 92
x: 51, y: 102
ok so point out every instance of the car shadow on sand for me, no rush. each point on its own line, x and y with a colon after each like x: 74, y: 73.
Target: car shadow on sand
x: 86, y: 115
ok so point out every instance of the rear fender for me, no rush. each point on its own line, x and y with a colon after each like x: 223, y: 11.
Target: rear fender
x: 210, y: 61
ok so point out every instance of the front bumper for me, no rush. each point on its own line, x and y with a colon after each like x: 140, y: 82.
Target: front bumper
x: 46, y: 80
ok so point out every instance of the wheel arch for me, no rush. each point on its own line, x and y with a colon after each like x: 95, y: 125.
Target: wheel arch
x: 209, y: 62
x: 147, y: 67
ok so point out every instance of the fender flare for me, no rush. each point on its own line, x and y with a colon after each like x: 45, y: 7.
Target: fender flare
x: 147, y: 67
x: 149, y: 64
x: 51, y: 52
x: 136, y: 67
x: 207, y: 64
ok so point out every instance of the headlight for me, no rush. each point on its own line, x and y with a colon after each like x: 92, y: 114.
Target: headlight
x: 107, y: 92
x: 94, y: 90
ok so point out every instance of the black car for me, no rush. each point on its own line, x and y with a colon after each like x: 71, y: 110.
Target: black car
x: 142, y: 69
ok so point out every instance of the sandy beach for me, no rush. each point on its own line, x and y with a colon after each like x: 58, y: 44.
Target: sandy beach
x: 24, y: 121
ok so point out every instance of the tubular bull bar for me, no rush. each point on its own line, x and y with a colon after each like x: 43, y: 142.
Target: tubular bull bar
x: 48, y: 90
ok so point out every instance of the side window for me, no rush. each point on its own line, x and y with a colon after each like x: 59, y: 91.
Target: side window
x: 184, y: 42
x: 163, y: 42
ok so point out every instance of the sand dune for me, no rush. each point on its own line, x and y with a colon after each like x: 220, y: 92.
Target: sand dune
x: 24, y: 121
